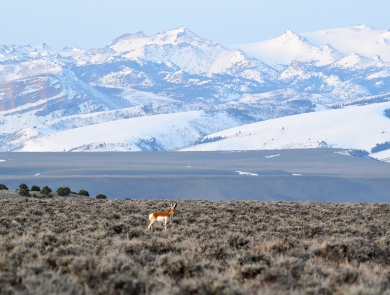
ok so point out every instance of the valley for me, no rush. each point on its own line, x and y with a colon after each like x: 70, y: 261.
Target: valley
x: 290, y: 175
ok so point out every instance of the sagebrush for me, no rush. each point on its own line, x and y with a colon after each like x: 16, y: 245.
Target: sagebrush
x: 73, y: 246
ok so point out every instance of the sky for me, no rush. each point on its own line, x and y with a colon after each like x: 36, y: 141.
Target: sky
x: 94, y: 23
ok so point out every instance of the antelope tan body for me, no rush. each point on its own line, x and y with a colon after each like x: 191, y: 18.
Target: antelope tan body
x: 161, y: 217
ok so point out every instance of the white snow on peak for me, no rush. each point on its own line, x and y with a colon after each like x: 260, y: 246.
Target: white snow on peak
x: 238, y: 63
x: 179, y: 47
x: 361, y: 39
x: 132, y: 42
x: 281, y: 51
x: 125, y: 37
x: 176, y: 36
x: 289, y: 36
x: 354, y: 61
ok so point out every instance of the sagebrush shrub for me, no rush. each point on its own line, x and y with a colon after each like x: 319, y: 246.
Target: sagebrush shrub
x: 101, y: 197
x: 82, y: 246
x: 35, y: 188
x: 63, y: 191
x: 46, y: 190
x: 23, y: 186
x: 24, y: 192
x: 83, y: 193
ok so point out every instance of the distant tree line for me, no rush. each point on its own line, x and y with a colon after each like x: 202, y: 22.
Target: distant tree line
x: 46, y: 192
x: 381, y: 146
x: 387, y: 113
x: 209, y: 139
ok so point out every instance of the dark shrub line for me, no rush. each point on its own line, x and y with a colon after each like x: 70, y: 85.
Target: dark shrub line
x: 46, y: 191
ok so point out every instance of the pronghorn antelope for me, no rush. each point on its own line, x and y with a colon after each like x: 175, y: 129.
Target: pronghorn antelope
x: 161, y: 216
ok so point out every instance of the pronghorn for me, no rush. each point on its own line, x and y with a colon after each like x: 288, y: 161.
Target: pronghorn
x: 161, y: 216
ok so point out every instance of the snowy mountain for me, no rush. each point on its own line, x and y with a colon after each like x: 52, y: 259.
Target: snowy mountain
x: 176, y: 63
x: 178, y: 49
x: 362, y: 39
x: 172, y: 90
x: 281, y: 51
x: 321, y: 47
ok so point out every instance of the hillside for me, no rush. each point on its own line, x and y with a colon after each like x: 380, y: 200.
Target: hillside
x: 353, y: 127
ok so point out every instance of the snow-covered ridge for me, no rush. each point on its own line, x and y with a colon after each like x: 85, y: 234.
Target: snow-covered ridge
x: 357, y: 61
x: 354, y: 127
x: 159, y: 132
x: 322, y: 47
x: 180, y: 47
x: 17, y: 53
x: 361, y: 39
x: 281, y: 51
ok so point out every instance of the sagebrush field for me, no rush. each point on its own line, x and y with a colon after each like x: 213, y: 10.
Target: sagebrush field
x: 75, y: 246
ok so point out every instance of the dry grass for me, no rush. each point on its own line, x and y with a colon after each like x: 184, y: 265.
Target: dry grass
x: 74, y: 246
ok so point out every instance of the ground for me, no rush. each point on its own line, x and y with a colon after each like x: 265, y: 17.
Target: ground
x: 89, y: 246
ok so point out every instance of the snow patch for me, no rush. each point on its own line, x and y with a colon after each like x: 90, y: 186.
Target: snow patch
x: 247, y: 173
x: 343, y: 153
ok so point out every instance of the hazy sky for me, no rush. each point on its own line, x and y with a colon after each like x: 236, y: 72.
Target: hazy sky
x: 94, y: 23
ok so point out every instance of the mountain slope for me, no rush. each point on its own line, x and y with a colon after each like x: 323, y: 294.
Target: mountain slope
x: 356, y: 127
x: 281, y: 51
x: 158, y: 132
x: 175, y: 63
x: 362, y: 39
x: 177, y: 49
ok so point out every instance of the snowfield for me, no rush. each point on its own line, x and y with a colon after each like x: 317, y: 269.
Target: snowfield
x: 281, y: 51
x: 247, y: 173
x: 354, y: 127
x: 159, y: 132
x: 361, y: 39
x: 321, y: 47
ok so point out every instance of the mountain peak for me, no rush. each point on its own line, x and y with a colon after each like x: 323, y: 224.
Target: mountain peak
x: 289, y: 32
x: 42, y: 46
x: 178, y: 35
x: 290, y: 36
x: 362, y: 27
x: 182, y: 29
x: 354, y: 56
x: 355, y: 60
x: 377, y: 58
x: 127, y: 36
